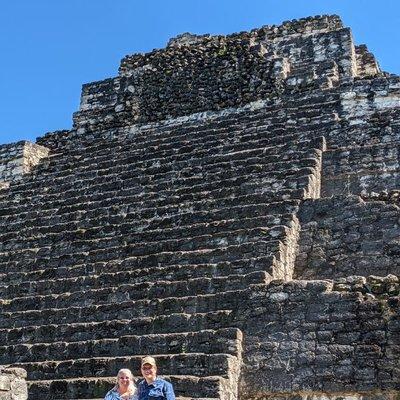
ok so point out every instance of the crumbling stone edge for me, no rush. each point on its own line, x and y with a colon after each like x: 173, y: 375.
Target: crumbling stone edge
x: 13, y: 384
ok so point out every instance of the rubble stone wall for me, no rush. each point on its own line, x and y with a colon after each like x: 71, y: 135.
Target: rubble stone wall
x: 366, y: 62
x: 17, y: 159
x: 322, y: 339
x: 344, y: 236
x: 13, y: 384
x: 199, y: 73
x: 358, y: 170
x: 11, y: 162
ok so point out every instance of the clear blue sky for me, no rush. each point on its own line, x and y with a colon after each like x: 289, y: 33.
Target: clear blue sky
x: 49, y: 48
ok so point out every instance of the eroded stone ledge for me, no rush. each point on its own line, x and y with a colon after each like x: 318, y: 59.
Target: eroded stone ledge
x: 18, y: 159
x: 13, y: 384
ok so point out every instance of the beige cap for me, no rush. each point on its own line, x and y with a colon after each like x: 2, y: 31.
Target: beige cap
x: 148, y: 360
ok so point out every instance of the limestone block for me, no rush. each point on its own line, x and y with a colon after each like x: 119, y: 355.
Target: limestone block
x: 5, y: 383
x: 13, y: 384
x: 17, y: 159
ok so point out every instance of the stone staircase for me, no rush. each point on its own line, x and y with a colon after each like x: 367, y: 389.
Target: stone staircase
x: 116, y: 248
x: 173, y: 226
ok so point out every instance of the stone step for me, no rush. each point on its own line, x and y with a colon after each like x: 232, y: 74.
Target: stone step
x: 114, y: 329
x: 206, y: 147
x: 262, y: 152
x: 187, y: 223
x: 271, y: 119
x: 134, y: 179
x: 201, y: 156
x: 84, y: 388
x: 269, y: 177
x: 266, y: 175
x: 97, y: 275
x: 35, y: 260
x: 164, y: 170
x: 175, y: 136
x: 155, y: 139
x: 133, y: 246
x: 177, y: 178
x: 89, y: 207
x: 197, y: 364
x: 201, y: 209
x: 122, y: 212
x: 136, y: 291
x: 274, y: 186
x: 123, y: 310
x: 103, y: 276
x: 226, y: 341
x: 164, y: 238
x: 119, y: 206
x: 121, y: 144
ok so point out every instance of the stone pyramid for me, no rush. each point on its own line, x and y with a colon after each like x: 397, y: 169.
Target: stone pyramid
x: 228, y: 204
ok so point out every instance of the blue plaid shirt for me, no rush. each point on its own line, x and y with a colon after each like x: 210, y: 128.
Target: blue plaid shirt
x: 159, y: 389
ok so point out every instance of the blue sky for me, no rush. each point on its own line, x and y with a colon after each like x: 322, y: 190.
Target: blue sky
x: 49, y: 48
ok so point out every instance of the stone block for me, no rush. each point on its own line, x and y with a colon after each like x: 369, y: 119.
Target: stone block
x: 13, y: 385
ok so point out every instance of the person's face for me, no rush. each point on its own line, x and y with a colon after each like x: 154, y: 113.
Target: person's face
x: 149, y: 372
x: 123, y: 380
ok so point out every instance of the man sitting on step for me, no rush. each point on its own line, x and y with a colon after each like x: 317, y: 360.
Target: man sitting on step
x: 153, y: 387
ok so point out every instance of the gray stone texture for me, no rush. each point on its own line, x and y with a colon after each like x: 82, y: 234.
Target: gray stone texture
x: 228, y: 204
x: 321, y: 336
x: 18, y: 159
x: 344, y: 236
x: 13, y: 384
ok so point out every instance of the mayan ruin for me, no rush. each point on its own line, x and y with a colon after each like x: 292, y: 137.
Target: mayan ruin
x: 229, y: 205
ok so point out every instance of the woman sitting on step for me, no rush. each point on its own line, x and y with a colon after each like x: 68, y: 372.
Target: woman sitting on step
x: 125, y: 388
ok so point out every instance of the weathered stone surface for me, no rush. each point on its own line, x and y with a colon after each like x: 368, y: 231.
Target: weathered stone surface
x: 215, y: 72
x: 18, y: 159
x: 13, y: 384
x: 360, y: 170
x: 172, y: 219
x: 321, y: 336
x: 344, y: 236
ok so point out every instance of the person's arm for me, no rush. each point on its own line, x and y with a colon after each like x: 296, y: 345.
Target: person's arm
x: 169, y: 391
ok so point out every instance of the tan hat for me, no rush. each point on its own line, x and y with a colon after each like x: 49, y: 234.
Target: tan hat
x: 148, y: 360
